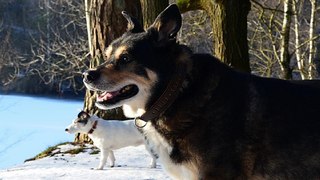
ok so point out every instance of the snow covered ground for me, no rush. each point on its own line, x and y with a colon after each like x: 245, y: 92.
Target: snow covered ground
x: 132, y: 163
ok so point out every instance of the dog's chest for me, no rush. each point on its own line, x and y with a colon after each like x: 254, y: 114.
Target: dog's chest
x: 162, y: 148
x: 157, y: 143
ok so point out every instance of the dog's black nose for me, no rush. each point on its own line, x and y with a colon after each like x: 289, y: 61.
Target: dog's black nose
x: 67, y: 130
x: 91, y: 75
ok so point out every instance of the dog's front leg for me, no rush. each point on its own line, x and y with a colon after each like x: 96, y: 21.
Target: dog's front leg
x: 112, y: 158
x: 153, y: 163
x: 103, y: 158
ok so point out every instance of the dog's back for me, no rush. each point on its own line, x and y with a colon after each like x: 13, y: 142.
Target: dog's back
x: 117, y: 134
x: 284, y: 122
x: 253, y: 126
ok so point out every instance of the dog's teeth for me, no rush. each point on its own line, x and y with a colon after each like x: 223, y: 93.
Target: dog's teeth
x: 125, y: 89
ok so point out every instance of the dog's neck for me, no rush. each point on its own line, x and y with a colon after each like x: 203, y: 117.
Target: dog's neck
x: 167, y: 97
x: 133, y: 110
x: 94, y: 126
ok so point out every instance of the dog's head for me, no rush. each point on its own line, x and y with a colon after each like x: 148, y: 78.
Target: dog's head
x: 136, y: 63
x: 82, y: 124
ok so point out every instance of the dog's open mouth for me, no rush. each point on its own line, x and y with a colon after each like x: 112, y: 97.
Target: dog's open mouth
x: 104, y: 97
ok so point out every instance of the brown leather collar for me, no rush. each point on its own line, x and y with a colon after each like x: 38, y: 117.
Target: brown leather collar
x: 94, y: 126
x: 167, y: 98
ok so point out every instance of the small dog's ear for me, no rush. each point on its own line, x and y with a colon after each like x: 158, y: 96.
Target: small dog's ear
x: 83, y: 115
x: 168, y: 23
x: 133, y: 23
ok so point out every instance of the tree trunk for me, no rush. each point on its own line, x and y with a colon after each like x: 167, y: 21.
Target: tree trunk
x: 312, y: 47
x: 229, y: 20
x: 229, y: 26
x: 105, y: 23
x: 285, y: 36
x: 298, y: 54
x: 151, y: 9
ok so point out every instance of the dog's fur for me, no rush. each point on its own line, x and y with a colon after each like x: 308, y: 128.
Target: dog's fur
x: 109, y: 135
x: 224, y: 124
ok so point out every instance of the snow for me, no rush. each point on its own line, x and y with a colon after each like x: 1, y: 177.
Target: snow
x: 131, y: 163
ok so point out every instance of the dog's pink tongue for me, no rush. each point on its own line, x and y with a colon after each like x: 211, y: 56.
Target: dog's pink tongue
x: 107, y: 95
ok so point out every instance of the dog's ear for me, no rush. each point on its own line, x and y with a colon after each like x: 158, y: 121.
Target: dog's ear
x: 83, y: 115
x: 167, y: 24
x: 133, y: 24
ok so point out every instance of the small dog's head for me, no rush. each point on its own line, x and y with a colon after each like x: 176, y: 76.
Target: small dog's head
x: 82, y: 124
x: 136, y: 62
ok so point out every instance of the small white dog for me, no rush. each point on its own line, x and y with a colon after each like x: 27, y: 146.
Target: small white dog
x: 108, y: 135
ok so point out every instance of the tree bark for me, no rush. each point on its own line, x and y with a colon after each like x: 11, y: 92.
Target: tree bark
x: 151, y: 9
x: 229, y: 26
x: 229, y: 20
x: 105, y: 23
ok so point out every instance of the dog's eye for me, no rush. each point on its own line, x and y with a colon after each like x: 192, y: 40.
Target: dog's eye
x: 81, y: 121
x: 124, y: 58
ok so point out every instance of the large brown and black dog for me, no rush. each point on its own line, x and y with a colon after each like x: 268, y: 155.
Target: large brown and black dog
x: 203, y: 119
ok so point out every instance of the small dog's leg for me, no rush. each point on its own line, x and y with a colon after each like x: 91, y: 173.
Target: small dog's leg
x: 103, y: 158
x: 153, y: 163
x: 112, y: 158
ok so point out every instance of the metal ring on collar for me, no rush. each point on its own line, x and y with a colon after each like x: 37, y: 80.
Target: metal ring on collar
x: 138, y: 122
